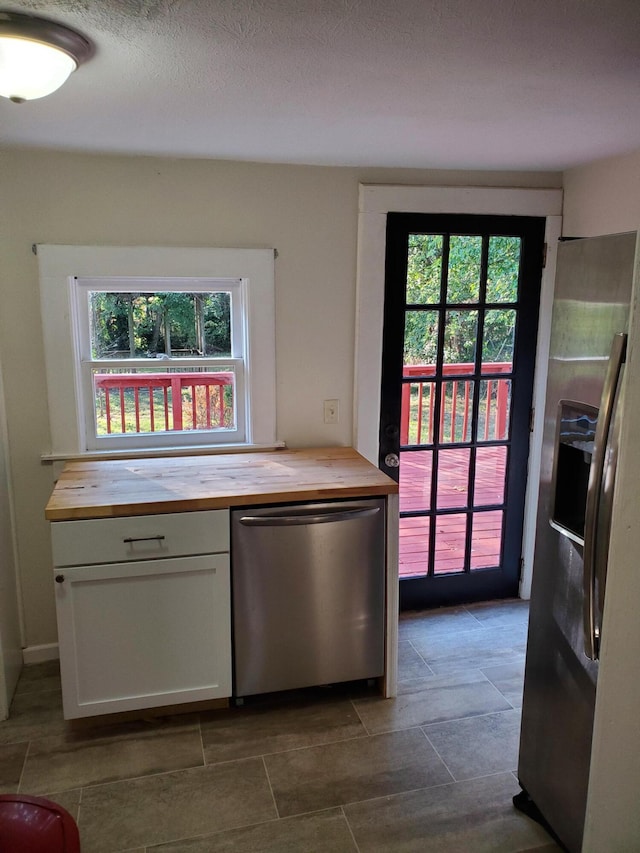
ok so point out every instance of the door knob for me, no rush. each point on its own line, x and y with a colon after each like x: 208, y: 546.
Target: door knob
x: 391, y: 460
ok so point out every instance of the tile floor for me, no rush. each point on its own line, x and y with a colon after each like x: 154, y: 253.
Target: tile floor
x: 338, y: 770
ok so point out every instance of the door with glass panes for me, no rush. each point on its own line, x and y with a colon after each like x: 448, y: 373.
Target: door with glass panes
x: 460, y: 327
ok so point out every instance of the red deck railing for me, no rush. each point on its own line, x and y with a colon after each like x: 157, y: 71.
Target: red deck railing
x: 494, y: 407
x: 203, y: 406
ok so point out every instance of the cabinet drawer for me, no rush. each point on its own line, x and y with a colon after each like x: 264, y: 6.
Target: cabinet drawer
x: 144, y: 537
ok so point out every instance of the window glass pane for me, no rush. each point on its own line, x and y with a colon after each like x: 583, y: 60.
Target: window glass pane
x: 453, y: 478
x: 503, y: 269
x: 465, y: 256
x: 494, y: 410
x: 416, y: 419
x: 424, y: 268
x: 497, y: 344
x: 148, y: 401
x: 451, y: 531
x: 460, y: 332
x: 491, y: 463
x: 486, y: 541
x: 415, y: 480
x: 456, y: 408
x: 420, y: 337
x: 414, y: 546
x: 160, y: 324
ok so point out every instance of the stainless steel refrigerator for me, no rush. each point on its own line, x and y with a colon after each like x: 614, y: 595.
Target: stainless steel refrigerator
x: 582, y: 417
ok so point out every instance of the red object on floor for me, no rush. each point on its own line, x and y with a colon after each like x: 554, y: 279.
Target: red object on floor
x: 36, y: 825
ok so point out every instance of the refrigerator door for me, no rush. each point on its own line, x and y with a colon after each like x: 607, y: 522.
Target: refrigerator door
x: 591, y: 306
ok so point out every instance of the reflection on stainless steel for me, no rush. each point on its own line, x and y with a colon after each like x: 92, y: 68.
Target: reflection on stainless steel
x: 308, y: 594
x: 593, y: 513
x: 603, y: 530
x: 593, y: 286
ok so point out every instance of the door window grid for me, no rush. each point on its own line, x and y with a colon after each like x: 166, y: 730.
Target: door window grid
x: 495, y: 381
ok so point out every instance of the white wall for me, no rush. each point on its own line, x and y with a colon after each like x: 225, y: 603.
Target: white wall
x: 604, y: 198
x: 308, y: 213
x: 10, y: 639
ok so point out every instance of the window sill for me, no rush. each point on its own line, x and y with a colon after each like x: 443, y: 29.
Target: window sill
x: 146, y: 453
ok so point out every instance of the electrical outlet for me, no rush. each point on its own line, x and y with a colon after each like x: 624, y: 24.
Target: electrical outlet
x: 331, y: 411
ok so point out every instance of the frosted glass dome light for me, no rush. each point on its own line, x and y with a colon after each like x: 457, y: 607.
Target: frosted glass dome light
x: 37, y: 56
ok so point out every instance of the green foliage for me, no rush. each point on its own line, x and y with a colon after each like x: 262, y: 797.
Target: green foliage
x: 425, y: 254
x: 151, y: 324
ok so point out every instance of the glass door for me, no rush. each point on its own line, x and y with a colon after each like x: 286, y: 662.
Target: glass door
x: 460, y: 328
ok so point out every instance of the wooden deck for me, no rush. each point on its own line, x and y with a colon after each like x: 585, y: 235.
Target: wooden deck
x: 415, y: 486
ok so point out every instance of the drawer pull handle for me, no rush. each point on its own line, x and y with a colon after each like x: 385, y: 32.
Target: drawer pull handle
x: 59, y: 579
x: 130, y: 539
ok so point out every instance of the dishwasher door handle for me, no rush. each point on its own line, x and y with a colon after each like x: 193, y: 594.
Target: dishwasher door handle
x: 316, y: 518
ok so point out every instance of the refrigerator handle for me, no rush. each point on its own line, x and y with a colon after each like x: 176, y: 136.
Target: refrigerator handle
x: 594, y: 492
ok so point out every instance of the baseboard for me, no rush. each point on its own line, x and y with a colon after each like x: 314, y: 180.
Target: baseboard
x: 39, y: 654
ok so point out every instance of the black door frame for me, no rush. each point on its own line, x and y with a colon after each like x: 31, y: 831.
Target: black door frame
x: 481, y: 583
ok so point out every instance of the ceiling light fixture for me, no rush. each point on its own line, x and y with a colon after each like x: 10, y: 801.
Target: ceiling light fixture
x: 37, y: 56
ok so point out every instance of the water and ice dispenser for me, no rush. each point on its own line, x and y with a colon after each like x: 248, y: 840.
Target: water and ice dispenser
x: 575, y: 434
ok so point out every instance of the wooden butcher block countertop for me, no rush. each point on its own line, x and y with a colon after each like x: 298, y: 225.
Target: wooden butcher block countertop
x: 112, y: 488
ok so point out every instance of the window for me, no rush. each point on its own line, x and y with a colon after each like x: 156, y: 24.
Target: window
x: 158, y: 357
x: 158, y: 361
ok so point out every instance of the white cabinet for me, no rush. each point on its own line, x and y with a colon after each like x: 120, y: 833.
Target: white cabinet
x: 143, y: 607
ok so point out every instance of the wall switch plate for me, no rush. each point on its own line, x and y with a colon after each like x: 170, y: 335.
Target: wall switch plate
x: 331, y: 411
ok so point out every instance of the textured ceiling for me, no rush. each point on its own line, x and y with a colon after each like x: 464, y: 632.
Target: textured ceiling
x: 473, y: 84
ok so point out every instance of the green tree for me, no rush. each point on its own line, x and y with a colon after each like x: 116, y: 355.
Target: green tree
x: 154, y: 323
x: 425, y: 257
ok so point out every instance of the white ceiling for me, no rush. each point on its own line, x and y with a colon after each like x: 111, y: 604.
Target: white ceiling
x: 464, y: 84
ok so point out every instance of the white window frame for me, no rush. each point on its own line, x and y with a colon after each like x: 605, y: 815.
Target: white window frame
x: 68, y: 273
x: 85, y: 364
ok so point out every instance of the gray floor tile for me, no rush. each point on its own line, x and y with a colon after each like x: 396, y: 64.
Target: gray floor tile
x: 478, y: 746
x: 473, y: 816
x: 69, y: 800
x: 38, y: 677
x: 509, y: 679
x: 480, y: 647
x: 33, y: 715
x: 443, y: 623
x: 81, y: 758
x: 323, y: 832
x: 251, y: 731
x: 440, y: 698
x: 512, y: 612
x: 320, y: 777
x: 187, y: 803
x: 410, y: 663
x: 11, y: 763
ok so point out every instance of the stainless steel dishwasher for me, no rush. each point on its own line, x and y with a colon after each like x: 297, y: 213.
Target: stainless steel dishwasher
x: 308, y: 594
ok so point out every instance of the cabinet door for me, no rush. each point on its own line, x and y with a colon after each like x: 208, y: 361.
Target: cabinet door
x: 144, y: 634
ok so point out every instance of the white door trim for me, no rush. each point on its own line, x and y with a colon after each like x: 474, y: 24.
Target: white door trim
x: 375, y: 202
